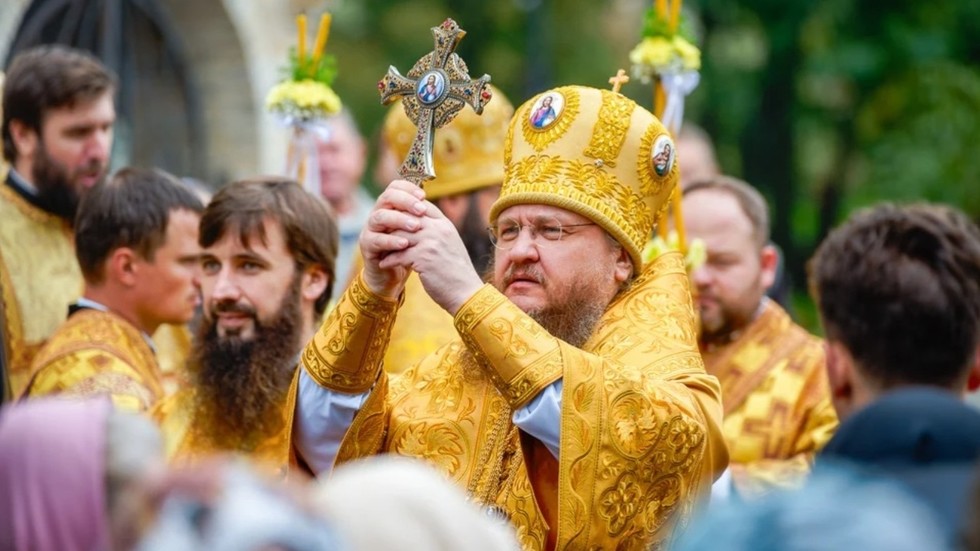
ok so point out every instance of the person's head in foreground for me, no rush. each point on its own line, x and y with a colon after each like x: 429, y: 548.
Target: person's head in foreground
x: 835, y: 510
x: 394, y: 503
x: 71, y: 473
x: 898, y: 290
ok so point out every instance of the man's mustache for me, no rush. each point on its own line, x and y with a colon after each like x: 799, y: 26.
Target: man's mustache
x: 232, y: 307
x: 515, y: 272
x: 92, y: 168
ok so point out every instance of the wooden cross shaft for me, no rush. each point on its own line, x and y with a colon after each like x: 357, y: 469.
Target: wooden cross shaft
x: 433, y: 92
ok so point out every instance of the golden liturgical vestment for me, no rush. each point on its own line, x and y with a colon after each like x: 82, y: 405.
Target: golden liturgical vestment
x: 39, y: 277
x: 640, y: 419
x: 97, y: 352
x: 422, y: 327
x: 778, y: 411
x: 185, y: 434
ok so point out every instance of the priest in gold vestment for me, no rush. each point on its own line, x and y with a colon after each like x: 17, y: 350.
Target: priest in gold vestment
x: 468, y: 157
x: 778, y: 411
x: 267, y: 267
x: 574, y: 401
x: 136, y: 244
x: 57, y: 134
x: 58, y: 116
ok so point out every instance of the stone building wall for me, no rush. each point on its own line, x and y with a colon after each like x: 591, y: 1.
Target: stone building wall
x: 235, y: 49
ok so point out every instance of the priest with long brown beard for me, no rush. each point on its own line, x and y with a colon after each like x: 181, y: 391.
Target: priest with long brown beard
x: 267, y: 270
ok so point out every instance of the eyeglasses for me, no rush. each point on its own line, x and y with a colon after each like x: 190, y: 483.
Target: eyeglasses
x: 504, y: 235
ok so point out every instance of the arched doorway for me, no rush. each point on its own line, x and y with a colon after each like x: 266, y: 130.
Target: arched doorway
x: 158, y: 103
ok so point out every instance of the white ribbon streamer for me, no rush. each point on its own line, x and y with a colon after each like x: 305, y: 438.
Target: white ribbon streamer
x: 677, y: 86
x: 303, y: 151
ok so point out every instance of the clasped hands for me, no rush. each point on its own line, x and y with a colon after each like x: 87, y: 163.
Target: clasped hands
x: 404, y: 233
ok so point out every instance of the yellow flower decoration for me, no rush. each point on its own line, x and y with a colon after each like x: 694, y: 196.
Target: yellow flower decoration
x: 657, y: 51
x: 663, y: 49
x: 303, y: 99
x: 688, y: 53
x: 696, y: 255
x: 305, y: 94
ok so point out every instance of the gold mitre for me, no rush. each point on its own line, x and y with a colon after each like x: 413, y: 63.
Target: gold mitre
x: 593, y: 152
x: 467, y: 153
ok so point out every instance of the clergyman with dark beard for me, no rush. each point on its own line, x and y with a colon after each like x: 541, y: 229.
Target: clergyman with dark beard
x: 58, y: 117
x: 468, y: 154
x: 267, y: 270
x: 573, y: 401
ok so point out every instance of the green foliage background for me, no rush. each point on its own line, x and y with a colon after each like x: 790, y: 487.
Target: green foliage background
x: 826, y: 106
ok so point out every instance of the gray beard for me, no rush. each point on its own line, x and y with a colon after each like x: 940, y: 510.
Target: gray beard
x: 573, y: 323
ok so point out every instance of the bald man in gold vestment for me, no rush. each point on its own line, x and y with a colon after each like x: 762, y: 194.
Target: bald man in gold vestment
x: 774, y: 386
x: 574, y: 401
x: 136, y: 244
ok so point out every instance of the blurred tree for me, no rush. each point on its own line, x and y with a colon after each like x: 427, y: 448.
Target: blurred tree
x: 525, y: 45
x: 828, y: 106
x: 825, y: 106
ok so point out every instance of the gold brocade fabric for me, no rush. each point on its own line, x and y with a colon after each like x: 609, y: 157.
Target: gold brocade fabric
x: 173, y: 347
x: 595, y: 157
x: 96, y: 352
x: 778, y: 412
x: 39, y: 277
x: 640, y: 423
x: 185, y: 435
x: 421, y: 327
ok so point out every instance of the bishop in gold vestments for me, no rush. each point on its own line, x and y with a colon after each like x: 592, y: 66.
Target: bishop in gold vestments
x: 778, y: 411
x: 635, y: 449
x: 639, y: 418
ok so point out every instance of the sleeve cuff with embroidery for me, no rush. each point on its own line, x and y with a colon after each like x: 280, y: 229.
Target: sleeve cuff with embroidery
x: 520, y: 357
x: 346, y: 353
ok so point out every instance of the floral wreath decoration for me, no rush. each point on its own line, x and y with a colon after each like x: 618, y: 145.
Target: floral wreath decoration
x: 305, y: 94
x: 303, y: 101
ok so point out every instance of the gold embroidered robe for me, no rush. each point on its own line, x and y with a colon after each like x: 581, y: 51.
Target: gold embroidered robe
x: 96, y: 352
x: 640, y: 420
x: 421, y: 328
x: 173, y: 344
x: 184, y: 434
x: 778, y: 412
x: 39, y: 277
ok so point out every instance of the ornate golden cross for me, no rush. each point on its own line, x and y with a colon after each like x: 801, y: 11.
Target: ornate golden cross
x: 432, y: 93
x: 619, y: 80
